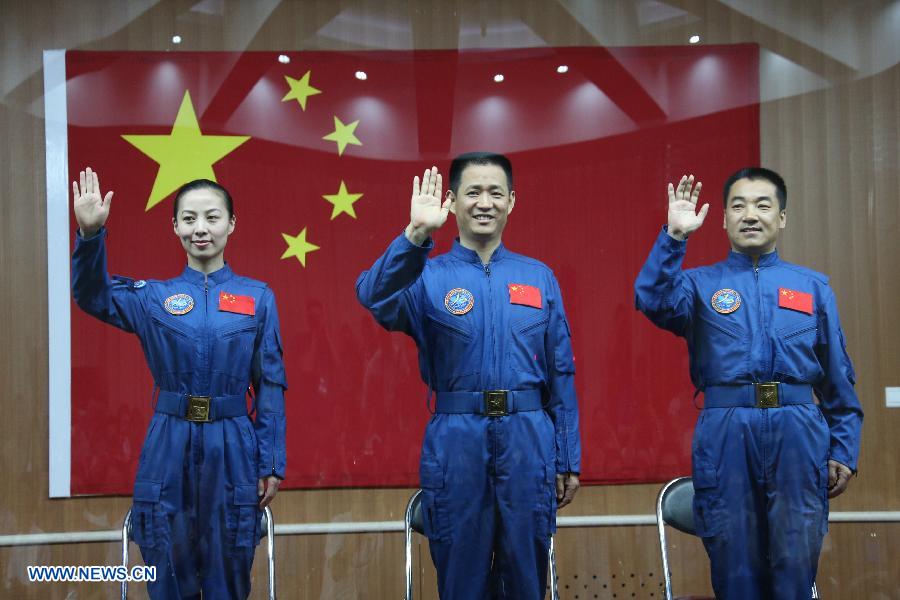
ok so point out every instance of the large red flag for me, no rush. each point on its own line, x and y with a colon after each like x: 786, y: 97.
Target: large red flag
x: 320, y: 163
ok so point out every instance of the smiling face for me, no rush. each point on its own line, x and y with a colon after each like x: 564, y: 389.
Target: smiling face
x: 753, y: 217
x: 482, y: 203
x: 203, y: 226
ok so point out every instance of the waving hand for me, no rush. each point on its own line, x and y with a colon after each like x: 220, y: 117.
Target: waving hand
x: 683, y: 216
x: 91, y: 208
x: 427, y: 212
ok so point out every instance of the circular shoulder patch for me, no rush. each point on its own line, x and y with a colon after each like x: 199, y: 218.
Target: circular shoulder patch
x: 179, y: 304
x: 459, y: 301
x: 726, y: 301
x: 139, y: 284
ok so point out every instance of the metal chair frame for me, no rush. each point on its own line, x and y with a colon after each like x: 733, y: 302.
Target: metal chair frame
x: 412, y: 521
x: 268, y: 524
x: 688, y: 528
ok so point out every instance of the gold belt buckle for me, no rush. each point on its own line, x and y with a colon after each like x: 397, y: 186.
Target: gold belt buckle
x: 767, y: 394
x: 495, y: 403
x: 198, y: 409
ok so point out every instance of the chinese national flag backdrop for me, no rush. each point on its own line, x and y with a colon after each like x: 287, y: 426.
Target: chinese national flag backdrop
x: 320, y: 166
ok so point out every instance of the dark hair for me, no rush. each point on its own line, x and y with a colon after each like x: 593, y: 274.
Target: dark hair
x: 203, y: 184
x: 758, y: 173
x: 462, y: 161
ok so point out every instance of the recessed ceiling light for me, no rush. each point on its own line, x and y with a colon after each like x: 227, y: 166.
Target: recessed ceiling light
x: 176, y: 39
x: 498, y: 77
x: 562, y: 69
x: 284, y: 59
x: 694, y: 39
x: 361, y: 75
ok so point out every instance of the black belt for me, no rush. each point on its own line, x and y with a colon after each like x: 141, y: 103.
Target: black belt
x: 201, y: 409
x: 766, y: 394
x: 491, y: 403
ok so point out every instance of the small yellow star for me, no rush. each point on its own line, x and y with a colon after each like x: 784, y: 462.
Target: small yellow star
x: 300, y: 89
x: 343, y: 135
x: 343, y: 202
x: 298, y: 246
x: 184, y: 154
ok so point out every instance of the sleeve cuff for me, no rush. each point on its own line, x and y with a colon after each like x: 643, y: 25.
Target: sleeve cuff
x: 100, y: 233
x: 426, y: 246
x: 669, y: 241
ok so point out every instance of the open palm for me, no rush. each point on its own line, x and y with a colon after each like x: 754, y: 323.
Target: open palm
x: 683, y: 216
x: 426, y: 211
x: 91, y: 208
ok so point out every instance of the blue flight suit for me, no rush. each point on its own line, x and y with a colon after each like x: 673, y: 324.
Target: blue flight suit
x: 489, y: 500
x: 195, y: 514
x: 760, y: 474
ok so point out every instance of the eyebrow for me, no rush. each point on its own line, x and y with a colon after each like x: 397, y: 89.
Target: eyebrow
x: 742, y: 199
x: 187, y: 211
x: 475, y: 186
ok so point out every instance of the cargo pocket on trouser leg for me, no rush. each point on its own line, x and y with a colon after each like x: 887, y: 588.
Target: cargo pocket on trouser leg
x: 708, y: 513
x: 243, y: 519
x: 823, y: 494
x: 149, y: 524
x: 431, y: 478
x: 710, y: 525
x: 545, y: 507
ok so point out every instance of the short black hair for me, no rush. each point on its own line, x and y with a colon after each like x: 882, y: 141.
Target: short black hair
x: 753, y: 173
x: 203, y: 184
x: 462, y: 161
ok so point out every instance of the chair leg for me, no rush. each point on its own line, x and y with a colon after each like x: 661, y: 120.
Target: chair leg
x: 126, y: 529
x: 408, y: 529
x: 270, y: 548
x: 554, y: 585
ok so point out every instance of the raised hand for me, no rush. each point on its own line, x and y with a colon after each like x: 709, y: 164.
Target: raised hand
x: 683, y: 216
x: 91, y: 209
x: 426, y: 210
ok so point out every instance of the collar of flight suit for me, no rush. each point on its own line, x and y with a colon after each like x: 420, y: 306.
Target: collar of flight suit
x: 745, y: 261
x: 216, y: 277
x: 462, y: 253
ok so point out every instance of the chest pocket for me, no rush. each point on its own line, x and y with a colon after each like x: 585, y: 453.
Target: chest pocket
x: 526, y: 350
x: 171, y: 325
x: 171, y: 345
x: 720, y: 349
x: 455, y: 356
x: 795, y: 350
x: 235, y: 340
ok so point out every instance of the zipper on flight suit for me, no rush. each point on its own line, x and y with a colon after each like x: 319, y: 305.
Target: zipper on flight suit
x: 490, y: 314
x: 765, y: 426
x: 206, y: 350
x: 493, y: 441
x: 757, y: 368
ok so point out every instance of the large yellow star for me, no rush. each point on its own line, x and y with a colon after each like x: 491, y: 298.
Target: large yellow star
x: 343, y: 202
x: 185, y: 154
x: 300, y: 90
x: 298, y: 246
x: 343, y: 135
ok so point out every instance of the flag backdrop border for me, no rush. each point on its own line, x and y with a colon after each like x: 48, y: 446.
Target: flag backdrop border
x: 59, y: 322
x: 60, y: 317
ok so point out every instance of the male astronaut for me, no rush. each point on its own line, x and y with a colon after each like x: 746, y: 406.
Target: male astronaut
x: 503, y: 448
x: 764, y: 339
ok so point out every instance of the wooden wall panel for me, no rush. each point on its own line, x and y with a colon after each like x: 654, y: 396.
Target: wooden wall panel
x: 835, y: 142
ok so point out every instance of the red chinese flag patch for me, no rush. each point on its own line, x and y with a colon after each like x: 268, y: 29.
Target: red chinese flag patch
x: 242, y: 305
x: 795, y: 300
x: 527, y: 295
